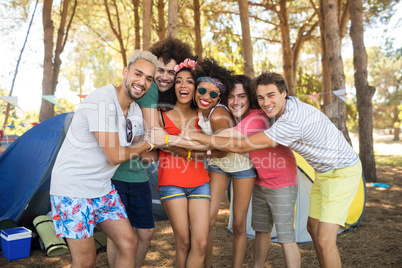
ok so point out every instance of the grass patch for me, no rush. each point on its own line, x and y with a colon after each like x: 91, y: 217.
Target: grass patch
x: 389, y: 160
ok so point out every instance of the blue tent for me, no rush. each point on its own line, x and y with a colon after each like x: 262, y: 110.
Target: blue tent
x: 25, y: 169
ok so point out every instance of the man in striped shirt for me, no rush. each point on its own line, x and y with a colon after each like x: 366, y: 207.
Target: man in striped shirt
x: 310, y: 133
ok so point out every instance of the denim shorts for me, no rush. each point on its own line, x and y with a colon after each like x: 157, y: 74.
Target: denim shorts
x: 170, y: 192
x: 248, y: 173
x: 137, y: 199
x: 75, y: 217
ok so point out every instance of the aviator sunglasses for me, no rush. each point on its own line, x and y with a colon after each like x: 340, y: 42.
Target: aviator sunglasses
x: 212, y: 94
x: 129, y: 130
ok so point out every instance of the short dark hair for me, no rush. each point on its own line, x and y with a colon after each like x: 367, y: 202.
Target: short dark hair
x: 171, y: 49
x: 208, y: 67
x: 270, y: 79
x: 246, y: 81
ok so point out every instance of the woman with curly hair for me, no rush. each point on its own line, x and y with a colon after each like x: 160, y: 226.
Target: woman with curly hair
x: 213, y: 84
x: 183, y: 182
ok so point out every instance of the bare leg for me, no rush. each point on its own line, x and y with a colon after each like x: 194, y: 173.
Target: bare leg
x: 144, y: 239
x: 121, y: 234
x: 325, y: 242
x: 312, y: 228
x: 292, y: 255
x: 218, y: 185
x: 83, y: 252
x: 327, y: 234
x: 262, y: 243
x: 242, y: 190
x: 176, y: 210
x: 199, y: 221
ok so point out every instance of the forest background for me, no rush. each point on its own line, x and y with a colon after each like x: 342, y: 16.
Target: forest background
x: 76, y: 46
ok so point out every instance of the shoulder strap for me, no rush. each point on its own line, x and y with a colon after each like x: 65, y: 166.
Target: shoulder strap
x: 163, y: 118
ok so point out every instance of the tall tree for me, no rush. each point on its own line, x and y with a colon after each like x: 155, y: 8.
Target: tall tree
x: 173, y: 18
x: 115, y: 26
x: 343, y: 17
x: 333, y: 38
x: 146, y: 24
x: 197, y: 29
x: 301, y: 23
x: 16, y: 70
x: 52, y: 62
x: 161, y: 20
x: 246, y: 38
x: 364, y: 93
x: 136, y: 4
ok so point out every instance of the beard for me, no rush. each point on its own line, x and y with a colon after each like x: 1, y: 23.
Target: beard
x: 130, y: 94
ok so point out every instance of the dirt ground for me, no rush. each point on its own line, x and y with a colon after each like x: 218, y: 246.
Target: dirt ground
x: 376, y: 243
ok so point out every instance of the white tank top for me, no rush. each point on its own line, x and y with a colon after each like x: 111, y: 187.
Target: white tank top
x: 232, y: 162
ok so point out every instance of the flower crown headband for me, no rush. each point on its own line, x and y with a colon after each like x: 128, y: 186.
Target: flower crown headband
x: 187, y: 63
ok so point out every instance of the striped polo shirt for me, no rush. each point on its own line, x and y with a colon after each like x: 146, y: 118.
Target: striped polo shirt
x: 307, y: 131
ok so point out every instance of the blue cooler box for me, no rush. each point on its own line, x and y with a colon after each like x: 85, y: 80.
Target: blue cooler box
x: 16, y: 243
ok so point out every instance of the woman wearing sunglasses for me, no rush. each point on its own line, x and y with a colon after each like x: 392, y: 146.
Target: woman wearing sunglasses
x: 183, y: 182
x: 213, y: 83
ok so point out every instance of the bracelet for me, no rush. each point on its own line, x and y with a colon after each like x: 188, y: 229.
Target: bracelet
x: 167, y: 139
x: 152, y: 146
x: 189, y: 156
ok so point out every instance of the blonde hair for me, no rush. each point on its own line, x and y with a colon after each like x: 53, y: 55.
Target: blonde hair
x: 144, y: 55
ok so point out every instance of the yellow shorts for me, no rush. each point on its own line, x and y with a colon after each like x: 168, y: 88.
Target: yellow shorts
x: 333, y: 193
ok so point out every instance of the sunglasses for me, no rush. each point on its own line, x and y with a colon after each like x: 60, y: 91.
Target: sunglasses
x: 129, y: 130
x: 212, y: 94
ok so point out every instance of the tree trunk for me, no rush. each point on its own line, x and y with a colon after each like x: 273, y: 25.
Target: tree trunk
x: 161, y: 20
x: 197, y: 29
x: 396, y: 120
x: 51, y: 63
x: 246, y: 38
x: 326, y: 69
x: 287, y: 56
x: 146, y: 24
x: 364, y: 93
x: 47, y: 108
x: 344, y: 18
x: 335, y: 60
x: 116, y: 29
x: 7, y: 112
x: 173, y: 18
x: 137, y: 44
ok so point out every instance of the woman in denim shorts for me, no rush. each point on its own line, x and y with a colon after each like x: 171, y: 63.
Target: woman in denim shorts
x: 214, y: 85
x: 183, y: 183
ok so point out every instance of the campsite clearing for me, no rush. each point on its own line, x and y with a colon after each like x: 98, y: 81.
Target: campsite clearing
x: 376, y: 243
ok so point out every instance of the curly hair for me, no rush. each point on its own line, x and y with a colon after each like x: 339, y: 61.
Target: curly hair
x: 210, y: 68
x: 246, y: 81
x: 171, y: 48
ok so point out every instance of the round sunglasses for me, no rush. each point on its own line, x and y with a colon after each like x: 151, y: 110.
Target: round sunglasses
x: 212, y: 94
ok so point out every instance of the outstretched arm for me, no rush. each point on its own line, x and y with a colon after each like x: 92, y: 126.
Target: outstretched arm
x: 224, y: 141
x: 252, y: 143
x: 115, y: 154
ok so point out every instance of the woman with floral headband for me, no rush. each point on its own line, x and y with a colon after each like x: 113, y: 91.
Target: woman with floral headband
x: 213, y: 84
x: 183, y: 182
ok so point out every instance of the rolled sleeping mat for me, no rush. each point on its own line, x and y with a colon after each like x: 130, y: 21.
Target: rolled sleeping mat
x: 54, y: 246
